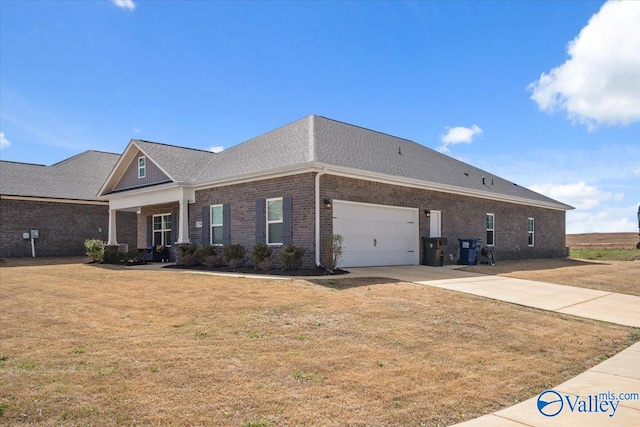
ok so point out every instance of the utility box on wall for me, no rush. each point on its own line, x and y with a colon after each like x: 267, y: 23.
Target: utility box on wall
x: 35, y: 234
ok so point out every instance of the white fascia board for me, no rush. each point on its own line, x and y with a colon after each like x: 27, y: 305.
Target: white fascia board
x: 443, y: 188
x: 53, y: 200
x: 150, y: 196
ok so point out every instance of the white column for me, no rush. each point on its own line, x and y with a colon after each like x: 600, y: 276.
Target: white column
x: 183, y: 226
x: 113, y: 240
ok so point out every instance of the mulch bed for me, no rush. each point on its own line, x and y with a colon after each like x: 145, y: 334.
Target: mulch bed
x: 272, y: 272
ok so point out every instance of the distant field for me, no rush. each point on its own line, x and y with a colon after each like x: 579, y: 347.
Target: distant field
x: 603, y: 240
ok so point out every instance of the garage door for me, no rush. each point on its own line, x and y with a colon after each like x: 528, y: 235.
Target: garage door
x: 376, y: 235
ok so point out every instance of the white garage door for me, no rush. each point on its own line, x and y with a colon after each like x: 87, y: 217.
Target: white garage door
x: 376, y: 234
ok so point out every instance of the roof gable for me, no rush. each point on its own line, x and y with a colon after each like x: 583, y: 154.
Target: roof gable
x: 167, y: 163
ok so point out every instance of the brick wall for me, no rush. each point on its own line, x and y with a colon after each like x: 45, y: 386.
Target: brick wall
x: 462, y: 217
x: 242, y: 200
x: 63, y: 227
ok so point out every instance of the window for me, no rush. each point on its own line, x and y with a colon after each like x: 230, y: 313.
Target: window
x: 490, y: 229
x: 216, y: 225
x: 274, y: 221
x: 142, y: 167
x: 531, y: 228
x: 162, y: 230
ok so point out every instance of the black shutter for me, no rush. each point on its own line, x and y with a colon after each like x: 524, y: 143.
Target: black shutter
x: 226, y: 224
x: 206, y: 226
x: 174, y: 230
x: 260, y: 221
x: 287, y: 220
x: 149, y: 231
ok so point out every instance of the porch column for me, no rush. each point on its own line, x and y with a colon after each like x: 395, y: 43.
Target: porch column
x: 183, y: 226
x: 113, y: 240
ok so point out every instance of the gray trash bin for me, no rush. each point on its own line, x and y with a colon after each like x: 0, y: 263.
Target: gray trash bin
x: 469, y: 251
x: 434, y: 251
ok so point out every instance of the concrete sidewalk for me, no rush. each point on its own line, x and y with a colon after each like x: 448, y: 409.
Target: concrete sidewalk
x: 619, y: 374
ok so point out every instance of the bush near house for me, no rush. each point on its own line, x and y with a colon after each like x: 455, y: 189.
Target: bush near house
x: 332, y: 245
x: 95, y: 249
x: 234, y: 255
x: 261, y: 254
x: 291, y: 257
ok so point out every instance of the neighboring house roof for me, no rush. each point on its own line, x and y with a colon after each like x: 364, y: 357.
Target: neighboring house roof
x: 319, y: 141
x: 76, y: 178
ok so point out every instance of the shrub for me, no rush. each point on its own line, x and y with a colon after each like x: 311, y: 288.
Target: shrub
x: 204, y: 251
x: 188, y: 259
x: 260, y: 252
x: 95, y: 249
x: 233, y: 252
x: 332, y: 245
x: 265, y: 264
x: 113, y: 257
x: 213, y: 261
x: 235, y: 263
x: 291, y: 257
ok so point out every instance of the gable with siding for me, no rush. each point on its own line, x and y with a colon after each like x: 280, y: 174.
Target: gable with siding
x: 154, y: 175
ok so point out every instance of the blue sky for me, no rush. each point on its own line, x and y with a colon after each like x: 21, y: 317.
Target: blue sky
x: 543, y: 93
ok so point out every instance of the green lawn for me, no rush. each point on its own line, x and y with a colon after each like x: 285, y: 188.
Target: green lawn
x: 606, y: 254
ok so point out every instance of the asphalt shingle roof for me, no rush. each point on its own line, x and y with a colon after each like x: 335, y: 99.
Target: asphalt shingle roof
x: 181, y: 163
x: 330, y: 142
x: 78, y: 178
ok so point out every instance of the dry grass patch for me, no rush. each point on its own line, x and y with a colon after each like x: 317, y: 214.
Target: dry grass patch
x: 88, y: 345
x: 612, y: 276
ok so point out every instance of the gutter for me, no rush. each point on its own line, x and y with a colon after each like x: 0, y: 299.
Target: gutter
x: 318, y: 175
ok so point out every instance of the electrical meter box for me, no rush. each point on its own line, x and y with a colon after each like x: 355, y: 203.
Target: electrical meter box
x: 35, y: 234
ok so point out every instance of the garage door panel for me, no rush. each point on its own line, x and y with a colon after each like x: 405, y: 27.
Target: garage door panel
x: 376, y: 235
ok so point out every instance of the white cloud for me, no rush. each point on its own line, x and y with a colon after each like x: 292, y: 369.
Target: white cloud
x: 636, y: 171
x: 457, y: 135
x: 599, y: 83
x: 579, y: 195
x: 4, y: 142
x: 216, y: 148
x: 606, y: 220
x: 136, y: 130
x: 124, y: 4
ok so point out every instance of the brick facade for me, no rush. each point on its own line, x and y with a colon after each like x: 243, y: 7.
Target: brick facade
x: 462, y: 217
x: 242, y: 199
x: 63, y: 227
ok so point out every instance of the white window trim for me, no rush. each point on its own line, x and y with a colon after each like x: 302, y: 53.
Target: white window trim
x: 142, y: 170
x: 163, y: 230
x: 491, y: 229
x: 211, y: 224
x: 280, y: 221
x: 532, y: 232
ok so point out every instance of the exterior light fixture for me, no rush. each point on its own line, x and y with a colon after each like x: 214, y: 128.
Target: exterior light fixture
x: 327, y: 203
x: 427, y: 212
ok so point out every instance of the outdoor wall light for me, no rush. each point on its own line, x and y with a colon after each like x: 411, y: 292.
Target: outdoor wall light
x: 427, y: 212
x: 327, y: 203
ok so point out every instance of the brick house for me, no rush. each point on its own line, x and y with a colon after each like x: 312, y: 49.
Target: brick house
x: 61, y: 202
x: 317, y: 176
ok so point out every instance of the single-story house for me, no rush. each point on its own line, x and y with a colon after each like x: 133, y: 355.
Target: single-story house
x: 316, y: 177
x: 60, y: 202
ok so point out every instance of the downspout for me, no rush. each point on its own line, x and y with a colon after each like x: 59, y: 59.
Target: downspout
x: 318, y: 175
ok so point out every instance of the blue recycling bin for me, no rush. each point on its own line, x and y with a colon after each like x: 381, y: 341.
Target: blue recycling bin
x: 469, y: 251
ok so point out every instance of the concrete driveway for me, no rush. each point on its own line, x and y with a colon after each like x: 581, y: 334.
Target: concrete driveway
x: 611, y: 307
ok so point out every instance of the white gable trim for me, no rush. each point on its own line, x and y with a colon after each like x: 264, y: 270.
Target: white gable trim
x: 129, y: 155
